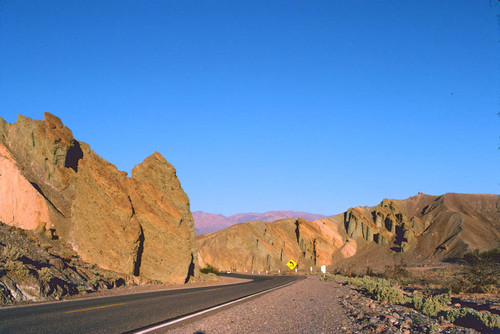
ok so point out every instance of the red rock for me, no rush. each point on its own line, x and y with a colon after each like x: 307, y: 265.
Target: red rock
x: 50, y: 181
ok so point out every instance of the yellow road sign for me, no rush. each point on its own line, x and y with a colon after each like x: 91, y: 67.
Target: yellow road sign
x: 291, y: 264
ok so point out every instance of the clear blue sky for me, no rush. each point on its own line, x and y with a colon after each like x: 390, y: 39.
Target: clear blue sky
x: 266, y: 105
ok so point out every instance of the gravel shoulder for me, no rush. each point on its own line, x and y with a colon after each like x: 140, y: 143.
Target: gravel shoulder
x: 314, y: 306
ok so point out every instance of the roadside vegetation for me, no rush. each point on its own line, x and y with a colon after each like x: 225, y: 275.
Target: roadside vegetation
x: 209, y: 269
x: 431, y: 293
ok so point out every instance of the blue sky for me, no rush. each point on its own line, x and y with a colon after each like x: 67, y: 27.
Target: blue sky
x: 269, y: 105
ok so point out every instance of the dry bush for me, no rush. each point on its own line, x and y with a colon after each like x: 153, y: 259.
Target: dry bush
x: 45, y: 275
x: 209, y: 269
x: 430, y: 303
x: 397, y: 271
x: 67, y: 255
x: 17, y: 268
x: 481, y: 273
x: 12, y: 253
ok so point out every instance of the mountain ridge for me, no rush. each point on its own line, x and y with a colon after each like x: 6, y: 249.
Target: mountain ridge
x: 209, y: 222
x: 420, y: 229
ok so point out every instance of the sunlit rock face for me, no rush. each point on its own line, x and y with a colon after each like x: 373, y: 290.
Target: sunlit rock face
x: 420, y: 228
x: 21, y: 205
x: 261, y: 246
x: 140, y: 225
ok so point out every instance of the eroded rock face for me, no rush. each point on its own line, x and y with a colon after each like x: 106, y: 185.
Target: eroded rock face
x: 140, y: 225
x: 421, y: 228
x: 261, y: 246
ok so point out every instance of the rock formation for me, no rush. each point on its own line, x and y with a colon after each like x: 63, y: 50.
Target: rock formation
x: 139, y: 225
x: 34, y: 267
x: 421, y: 228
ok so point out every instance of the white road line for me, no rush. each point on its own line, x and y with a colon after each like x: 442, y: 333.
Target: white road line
x: 208, y: 310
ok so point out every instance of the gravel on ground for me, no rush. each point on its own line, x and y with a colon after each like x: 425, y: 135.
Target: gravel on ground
x: 314, y: 306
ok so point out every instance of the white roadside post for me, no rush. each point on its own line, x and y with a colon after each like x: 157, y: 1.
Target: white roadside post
x: 323, y: 269
x: 311, y: 269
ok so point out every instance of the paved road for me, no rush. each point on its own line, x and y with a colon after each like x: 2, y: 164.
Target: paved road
x: 127, y: 313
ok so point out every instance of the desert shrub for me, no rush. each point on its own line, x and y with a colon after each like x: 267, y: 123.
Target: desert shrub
x: 417, y: 300
x: 330, y: 277
x: 369, y: 271
x: 46, y: 247
x: 356, y: 281
x: 397, y: 271
x: 45, y: 275
x: 467, y: 317
x: 384, y: 290
x: 481, y: 278
x: 435, y: 328
x: 74, y: 263
x: 209, y: 269
x: 97, y: 273
x: 432, y: 307
x: 474, y: 257
x: 431, y: 303
x: 481, y: 273
x: 13, y: 253
x: 110, y: 276
x: 67, y: 255
x: 380, y: 289
x: 94, y: 281
x: 17, y: 268
x: 81, y: 288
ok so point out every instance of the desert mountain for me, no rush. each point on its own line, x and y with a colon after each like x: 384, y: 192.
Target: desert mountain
x: 55, y: 185
x: 209, y: 222
x: 418, y: 229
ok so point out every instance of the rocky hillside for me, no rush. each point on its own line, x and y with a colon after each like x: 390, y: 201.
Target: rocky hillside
x: 209, y: 222
x: 54, y: 184
x: 419, y: 229
x: 34, y: 267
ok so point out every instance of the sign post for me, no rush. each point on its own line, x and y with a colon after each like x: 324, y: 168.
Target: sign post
x: 291, y: 264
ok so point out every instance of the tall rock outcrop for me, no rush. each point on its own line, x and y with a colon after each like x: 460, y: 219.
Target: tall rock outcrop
x: 139, y: 225
x: 420, y: 228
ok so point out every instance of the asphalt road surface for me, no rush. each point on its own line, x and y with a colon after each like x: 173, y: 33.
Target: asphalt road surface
x: 127, y: 313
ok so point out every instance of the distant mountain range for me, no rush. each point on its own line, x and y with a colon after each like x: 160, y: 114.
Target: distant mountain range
x: 209, y: 222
